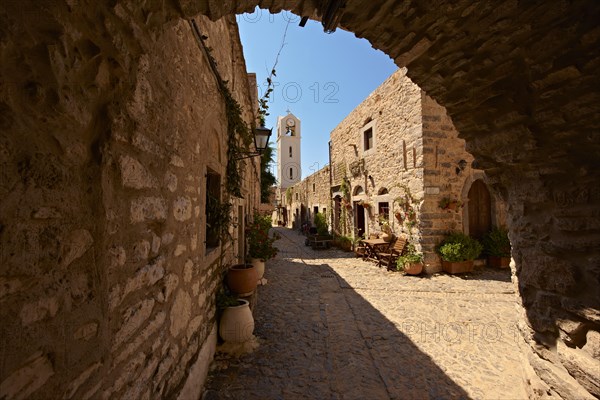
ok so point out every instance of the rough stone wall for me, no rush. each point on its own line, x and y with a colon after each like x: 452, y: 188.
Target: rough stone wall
x: 416, y: 151
x: 311, y: 196
x: 394, y: 111
x: 110, y: 118
x: 443, y: 150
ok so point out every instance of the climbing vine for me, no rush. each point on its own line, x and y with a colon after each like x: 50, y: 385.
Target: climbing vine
x: 239, y: 137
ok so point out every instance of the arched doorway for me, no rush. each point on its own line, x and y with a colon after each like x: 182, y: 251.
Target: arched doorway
x: 337, y: 213
x: 480, y: 209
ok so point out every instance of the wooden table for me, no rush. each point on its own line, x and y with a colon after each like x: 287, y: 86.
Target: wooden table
x: 373, y: 247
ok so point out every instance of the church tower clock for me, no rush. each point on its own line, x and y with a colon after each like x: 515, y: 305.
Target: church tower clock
x: 288, y: 150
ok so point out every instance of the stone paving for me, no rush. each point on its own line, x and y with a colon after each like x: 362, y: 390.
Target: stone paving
x: 331, y: 326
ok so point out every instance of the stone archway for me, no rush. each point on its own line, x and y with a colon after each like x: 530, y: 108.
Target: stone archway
x: 524, y: 96
x: 519, y: 80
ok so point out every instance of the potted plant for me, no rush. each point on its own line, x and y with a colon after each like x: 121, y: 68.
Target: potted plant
x: 260, y: 245
x: 496, y: 246
x: 446, y: 203
x: 384, y: 223
x: 321, y: 224
x: 345, y: 243
x: 411, y: 262
x: 236, y: 323
x: 365, y: 203
x: 458, y: 251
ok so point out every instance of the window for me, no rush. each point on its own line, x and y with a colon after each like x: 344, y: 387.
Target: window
x: 314, y: 187
x: 368, y: 139
x: 213, y: 207
x: 291, y: 173
x: 368, y: 135
x: 290, y: 151
x: 316, y: 209
x: 384, y: 209
x: 297, y: 196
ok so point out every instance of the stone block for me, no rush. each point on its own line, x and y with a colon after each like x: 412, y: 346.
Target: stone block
x: 117, y: 256
x: 148, y: 208
x: 150, y: 329
x: 188, y: 269
x: 46, y: 213
x: 170, y: 181
x: 181, y: 313
x: 155, y: 243
x: 167, y: 238
x: 133, y: 319
x: 39, y: 310
x: 558, y: 378
x: 193, y: 326
x: 26, y: 380
x: 585, y: 369
x: 182, y: 209
x: 147, y: 276
x: 170, y: 284
x: 592, y: 344
x: 141, y: 250
x: 144, y: 143
x: 75, y: 245
x: 180, y: 249
x: 166, y: 363
x: 86, y: 332
x: 80, y: 380
x: 176, y: 161
x: 135, y: 175
x: 80, y: 286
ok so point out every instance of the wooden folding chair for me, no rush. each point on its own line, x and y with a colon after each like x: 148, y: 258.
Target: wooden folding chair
x: 389, y: 257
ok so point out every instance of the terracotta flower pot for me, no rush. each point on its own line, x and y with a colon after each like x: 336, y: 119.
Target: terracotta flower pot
x: 242, y: 279
x: 499, y: 262
x: 237, y: 323
x: 457, y: 267
x: 413, y: 268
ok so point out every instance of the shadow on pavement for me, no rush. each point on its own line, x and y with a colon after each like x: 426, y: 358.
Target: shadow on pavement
x: 322, y: 341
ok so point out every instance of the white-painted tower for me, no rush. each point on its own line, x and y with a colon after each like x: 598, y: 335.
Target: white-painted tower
x: 288, y: 150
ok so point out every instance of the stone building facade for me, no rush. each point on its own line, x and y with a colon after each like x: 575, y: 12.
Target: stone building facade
x: 109, y: 139
x: 396, y: 156
x: 306, y: 198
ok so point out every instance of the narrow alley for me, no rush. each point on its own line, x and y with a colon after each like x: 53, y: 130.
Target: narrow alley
x: 331, y: 326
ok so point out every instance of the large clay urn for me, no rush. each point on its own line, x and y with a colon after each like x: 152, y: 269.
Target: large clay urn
x: 242, y: 279
x: 237, y: 323
x: 260, y: 267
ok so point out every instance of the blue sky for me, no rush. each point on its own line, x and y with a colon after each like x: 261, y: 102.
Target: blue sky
x: 320, y: 78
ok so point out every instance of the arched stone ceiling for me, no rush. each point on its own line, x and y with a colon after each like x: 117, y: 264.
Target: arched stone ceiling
x: 520, y: 79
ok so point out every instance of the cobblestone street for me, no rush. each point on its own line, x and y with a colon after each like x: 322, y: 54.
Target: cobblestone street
x: 331, y: 326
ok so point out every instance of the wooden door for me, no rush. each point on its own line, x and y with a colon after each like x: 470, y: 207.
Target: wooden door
x: 480, y: 210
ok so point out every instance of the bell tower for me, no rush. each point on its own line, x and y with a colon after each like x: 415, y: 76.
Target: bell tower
x: 288, y: 150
